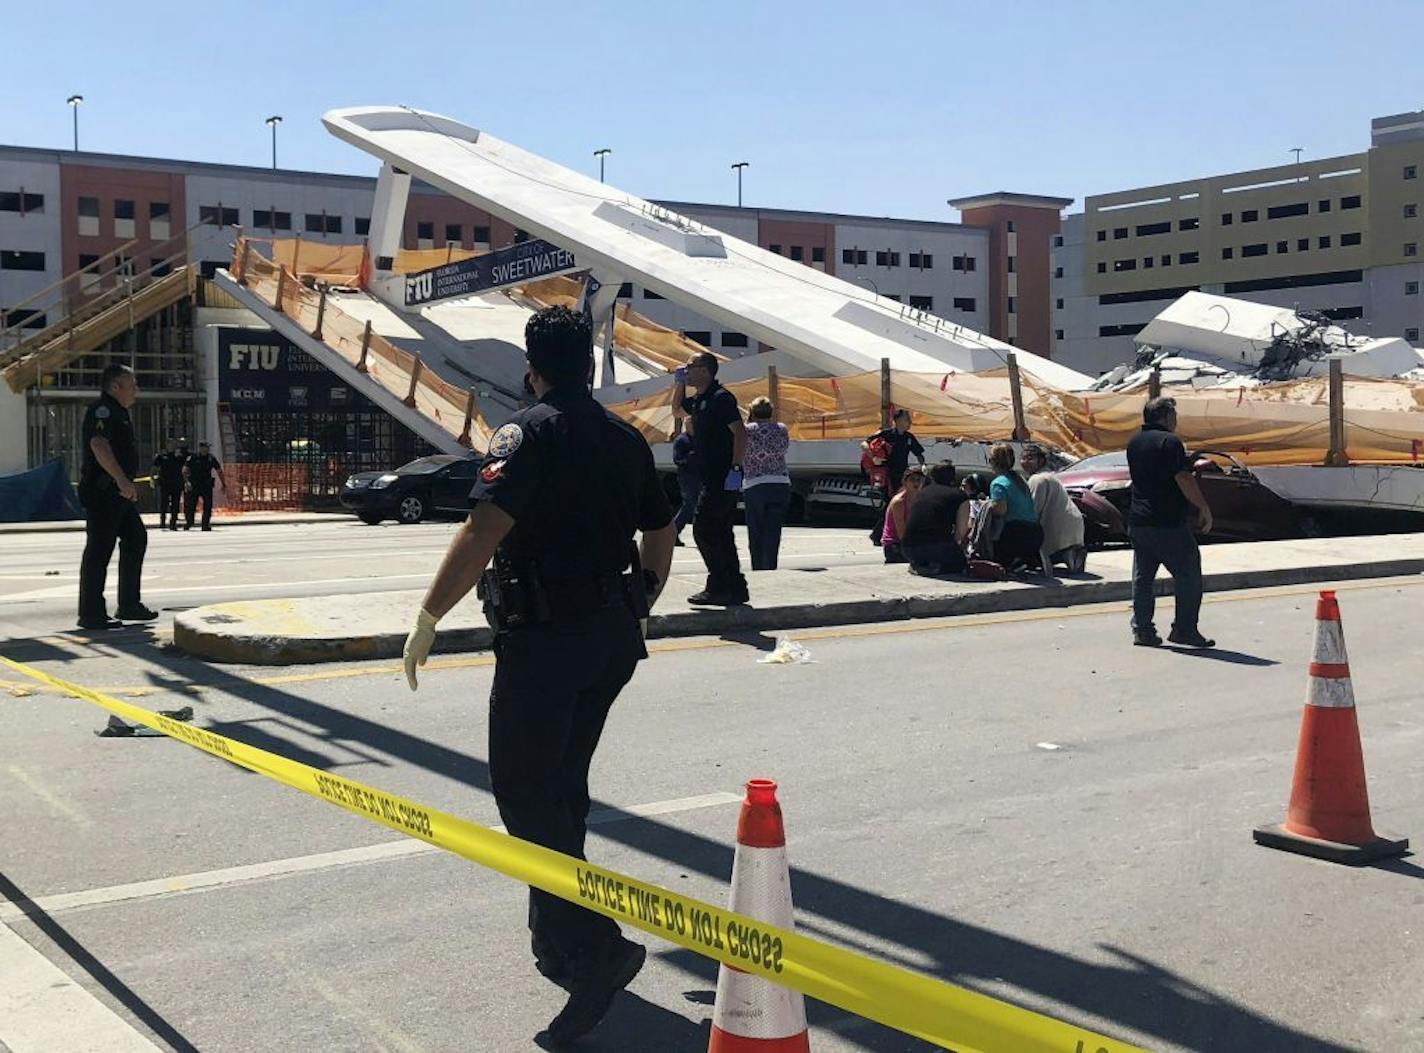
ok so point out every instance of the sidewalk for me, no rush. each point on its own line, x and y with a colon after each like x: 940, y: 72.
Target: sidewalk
x: 346, y: 627
x: 220, y: 522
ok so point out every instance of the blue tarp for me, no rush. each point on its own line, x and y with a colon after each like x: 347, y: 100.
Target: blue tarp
x: 39, y: 495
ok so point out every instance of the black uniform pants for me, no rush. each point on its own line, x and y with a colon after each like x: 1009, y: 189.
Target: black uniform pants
x: 170, y: 496
x: 553, y: 687
x: 191, y: 506
x: 109, y: 518
x: 712, y: 530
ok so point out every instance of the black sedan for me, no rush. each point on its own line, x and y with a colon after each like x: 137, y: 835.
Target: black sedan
x: 430, y: 486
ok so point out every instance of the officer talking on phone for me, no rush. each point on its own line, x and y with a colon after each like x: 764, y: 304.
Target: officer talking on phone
x: 564, y: 488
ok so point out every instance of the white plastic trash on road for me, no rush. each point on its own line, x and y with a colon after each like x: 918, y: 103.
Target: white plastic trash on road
x: 786, y: 652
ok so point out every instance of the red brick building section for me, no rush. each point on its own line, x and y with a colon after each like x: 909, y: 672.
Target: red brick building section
x: 1021, y: 228
x: 121, y: 205
x: 814, y: 243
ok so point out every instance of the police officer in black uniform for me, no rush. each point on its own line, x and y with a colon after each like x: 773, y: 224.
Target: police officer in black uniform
x: 168, y: 475
x: 198, y: 485
x: 111, y: 504
x: 559, y: 497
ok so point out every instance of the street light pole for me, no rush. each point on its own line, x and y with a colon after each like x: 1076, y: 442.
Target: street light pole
x: 74, y: 101
x: 272, y: 122
x: 739, y: 166
x: 601, y: 154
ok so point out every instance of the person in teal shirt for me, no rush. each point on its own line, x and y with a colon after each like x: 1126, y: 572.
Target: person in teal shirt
x: 1021, y: 538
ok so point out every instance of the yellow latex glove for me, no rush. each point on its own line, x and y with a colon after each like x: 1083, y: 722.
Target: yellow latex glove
x: 418, y: 644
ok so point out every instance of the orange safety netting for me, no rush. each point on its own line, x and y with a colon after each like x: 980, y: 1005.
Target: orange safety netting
x: 397, y: 370
x: 265, y: 488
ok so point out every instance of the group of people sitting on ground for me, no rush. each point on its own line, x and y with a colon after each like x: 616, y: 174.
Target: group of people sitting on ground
x: 939, y: 524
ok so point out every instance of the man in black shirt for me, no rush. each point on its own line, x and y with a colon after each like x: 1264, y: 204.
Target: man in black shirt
x: 902, y: 443
x: 721, y: 440
x: 168, y: 479
x: 198, y: 485
x: 106, y: 489
x: 562, y: 491
x: 937, y: 525
x: 1163, y: 489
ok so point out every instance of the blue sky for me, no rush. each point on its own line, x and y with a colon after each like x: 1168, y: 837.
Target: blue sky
x: 884, y: 109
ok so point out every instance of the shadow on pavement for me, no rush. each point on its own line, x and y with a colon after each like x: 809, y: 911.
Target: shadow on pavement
x: 657, y: 1030
x: 81, y: 956
x: 1132, y: 992
x: 1218, y: 654
x: 1402, y: 867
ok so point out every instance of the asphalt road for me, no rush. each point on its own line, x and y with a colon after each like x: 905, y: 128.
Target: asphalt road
x: 1020, y: 803
x: 39, y: 573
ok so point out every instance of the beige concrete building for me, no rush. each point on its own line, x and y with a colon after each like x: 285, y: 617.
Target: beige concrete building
x: 1340, y: 235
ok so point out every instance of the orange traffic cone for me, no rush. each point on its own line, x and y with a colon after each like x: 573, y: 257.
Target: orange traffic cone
x: 1329, y: 814
x: 753, y: 1015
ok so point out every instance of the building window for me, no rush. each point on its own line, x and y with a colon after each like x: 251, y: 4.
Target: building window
x: 1302, y: 245
x: 962, y: 263
x: 1226, y: 253
x: 1353, y: 201
x: 818, y: 254
x: 648, y: 294
x: 1167, y: 260
x: 216, y: 215
x: 159, y: 268
x: 1258, y: 249
x: 699, y: 336
x: 893, y: 296
x: 848, y: 257
x: 1226, y: 219
x: 1058, y: 303
x: 480, y: 236
x: 88, y: 216
x: 21, y: 202
x: 1121, y: 330
x: 1282, y: 246
x: 1250, y: 215
x: 1411, y: 334
x: 1299, y: 208
x: 1013, y: 305
x: 798, y: 254
x: 23, y: 319
x: 894, y: 259
x: 1411, y: 288
x: 926, y: 261
x: 20, y: 260
x: 1188, y: 224
x: 774, y: 248
x: 88, y: 278
x: 1411, y: 211
x: 1323, y: 205
x: 1411, y: 248
x: 363, y: 226
x: 123, y: 218
x: 1148, y: 263
x: 1189, y: 257
x: 625, y: 291
x: 1058, y: 334
x: 1349, y: 239
x: 882, y: 259
x: 274, y: 220
x: 1119, y: 233
x: 1102, y: 235
x: 1013, y: 264
x: 1102, y: 268
x: 964, y: 303
x: 922, y: 303
x: 1058, y: 241
x: 1125, y: 265
x: 424, y: 234
x: 915, y: 260
x: 1324, y: 241
x: 1146, y: 229
x: 730, y: 339
x: 1411, y: 171
x: 454, y: 234
x: 1058, y: 272
x: 1340, y: 314
x: 1009, y: 226
x: 158, y: 221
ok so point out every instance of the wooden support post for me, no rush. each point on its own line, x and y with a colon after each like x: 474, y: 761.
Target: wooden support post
x: 1337, y: 456
x: 1016, y: 394
x: 1154, y: 383
x: 320, y: 314
x: 886, y: 419
x: 464, y: 439
x: 773, y: 392
x: 281, y: 279
x: 246, y: 259
x: 361, y: 366
x: 414, y: 380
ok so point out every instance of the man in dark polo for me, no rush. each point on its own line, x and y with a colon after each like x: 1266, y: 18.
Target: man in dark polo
x: 1164, y: 493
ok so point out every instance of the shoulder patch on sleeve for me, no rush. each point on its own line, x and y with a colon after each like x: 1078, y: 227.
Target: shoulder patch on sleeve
x: 101, y: 413
x: 506, y: 440
x: 492, y: 471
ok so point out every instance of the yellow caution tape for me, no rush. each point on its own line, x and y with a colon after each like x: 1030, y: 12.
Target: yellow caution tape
x: 949, y: 1016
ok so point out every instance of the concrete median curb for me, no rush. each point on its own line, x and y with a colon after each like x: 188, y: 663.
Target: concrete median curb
x: 353, y: 628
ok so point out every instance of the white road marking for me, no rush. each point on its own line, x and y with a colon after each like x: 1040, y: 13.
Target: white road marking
x: 1048, y: 745
x: 43, y: 1010
x: 277, y: 868
x: 44, y: 793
